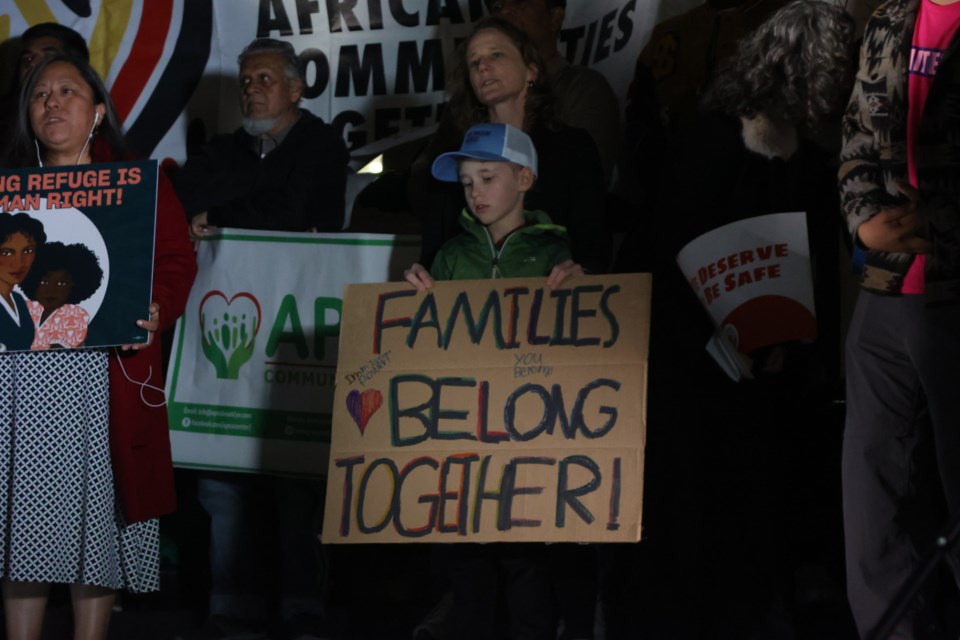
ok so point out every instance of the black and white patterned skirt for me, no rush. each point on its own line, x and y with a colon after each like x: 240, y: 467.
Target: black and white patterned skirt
x: 59, y: 519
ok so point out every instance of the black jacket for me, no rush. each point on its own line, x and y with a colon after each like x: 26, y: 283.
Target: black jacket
x: 298, y: 186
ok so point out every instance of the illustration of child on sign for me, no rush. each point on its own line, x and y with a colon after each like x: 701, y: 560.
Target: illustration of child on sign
x: 63, y: 276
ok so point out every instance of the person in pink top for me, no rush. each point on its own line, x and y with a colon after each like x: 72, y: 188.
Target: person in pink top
x: 63, y: 277
x: 900, y: 192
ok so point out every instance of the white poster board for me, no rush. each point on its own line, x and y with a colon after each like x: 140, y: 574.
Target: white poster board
x: 251, y: 378
x: 754, y: 279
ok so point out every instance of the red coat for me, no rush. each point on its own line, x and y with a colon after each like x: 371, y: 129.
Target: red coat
x: 139, y: 437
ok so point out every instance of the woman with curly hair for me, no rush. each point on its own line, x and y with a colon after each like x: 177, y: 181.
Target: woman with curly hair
x: 754, y: 461
x: 20, y: 236
x: 498, y: 76
x: 61, y: 278
x: 789, y: 79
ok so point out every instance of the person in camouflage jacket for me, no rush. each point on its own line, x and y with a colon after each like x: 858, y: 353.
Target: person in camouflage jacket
x: 874, y: 155
x: 901, y: 439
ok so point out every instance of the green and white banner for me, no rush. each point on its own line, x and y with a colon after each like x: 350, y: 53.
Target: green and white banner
x: 251, y: 377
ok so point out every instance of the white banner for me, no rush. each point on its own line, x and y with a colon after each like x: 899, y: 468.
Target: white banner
x: 251, y: 378
x: 375, y: 69
x: 378, y: 69
x: 754, y: 278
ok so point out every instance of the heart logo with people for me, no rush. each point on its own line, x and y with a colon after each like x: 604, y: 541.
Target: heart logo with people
x: 228, y: 331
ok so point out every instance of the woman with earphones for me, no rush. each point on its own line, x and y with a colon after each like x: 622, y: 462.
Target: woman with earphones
x: 85, y: 467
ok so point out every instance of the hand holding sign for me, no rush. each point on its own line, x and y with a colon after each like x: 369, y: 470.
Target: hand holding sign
x: 754, y: 279
x: 418, y: 276
x: 152, y: 326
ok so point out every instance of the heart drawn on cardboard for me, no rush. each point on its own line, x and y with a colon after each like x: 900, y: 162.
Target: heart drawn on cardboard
x: 363, y: 405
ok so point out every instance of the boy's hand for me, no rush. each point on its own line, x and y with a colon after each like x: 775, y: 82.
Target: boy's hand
x: 418, y: 277
x: 563, y: 271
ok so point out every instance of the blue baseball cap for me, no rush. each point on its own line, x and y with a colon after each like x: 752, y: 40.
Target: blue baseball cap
x: 489, y: 141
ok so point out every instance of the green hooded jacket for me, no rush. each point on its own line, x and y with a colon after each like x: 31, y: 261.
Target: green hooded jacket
x: 530, y: 251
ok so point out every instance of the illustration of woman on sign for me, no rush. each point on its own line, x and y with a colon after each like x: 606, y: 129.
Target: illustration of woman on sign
x: 61, y: 278
x: 20, y: 236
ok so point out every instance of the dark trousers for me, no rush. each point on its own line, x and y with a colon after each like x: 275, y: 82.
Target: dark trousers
x: 263, y: 544
x: 901, y: 443
x: 501, y: 591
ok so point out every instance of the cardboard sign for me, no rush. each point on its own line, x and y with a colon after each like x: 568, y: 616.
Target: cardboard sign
x: 88, y: 278
x: 490, y: 410
x: 754, y: 278
x: 251, y: 379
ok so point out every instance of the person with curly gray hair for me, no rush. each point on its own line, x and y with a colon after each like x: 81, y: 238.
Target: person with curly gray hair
x: 761, y: 530
x: 790, y: 78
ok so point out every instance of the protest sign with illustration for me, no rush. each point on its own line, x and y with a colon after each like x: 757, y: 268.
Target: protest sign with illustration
x: 76, y: 255
x: 754, y: 278
x: 490, y: 410
x: 250, y: 384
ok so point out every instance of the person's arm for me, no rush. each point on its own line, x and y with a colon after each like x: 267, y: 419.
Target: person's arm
x: 877, y: 220
x: 584, y: 198
x: 896, y: 229
x: 436, y: 204
x: 862, y: 189
x: 591, y: 104
x: 174, y: 266
x: 174, y: 263
x: 329, y: 199
x: 418, y: 276
x: 420, y: 180
x: 211, y: 178
x: 561, y: 271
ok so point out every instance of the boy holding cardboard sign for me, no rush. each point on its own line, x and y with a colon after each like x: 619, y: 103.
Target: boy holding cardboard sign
x: 497, y: 165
